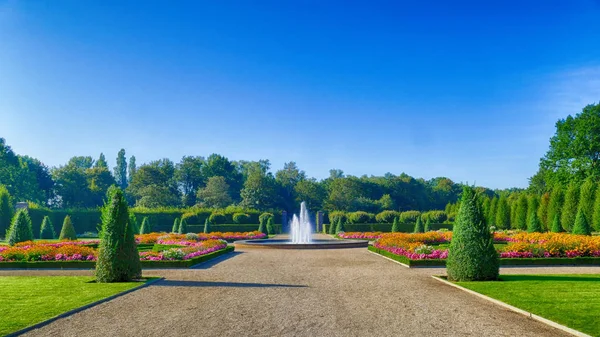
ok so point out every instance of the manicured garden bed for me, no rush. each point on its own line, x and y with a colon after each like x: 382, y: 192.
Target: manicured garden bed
x: 28, y: 300
x: 570, y: 300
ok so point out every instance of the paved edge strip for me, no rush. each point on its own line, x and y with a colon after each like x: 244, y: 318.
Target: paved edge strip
x: 387, y: 258
x: 76, y: 310
x: 515, y: 309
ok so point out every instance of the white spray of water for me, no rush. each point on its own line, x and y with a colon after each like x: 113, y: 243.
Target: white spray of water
x: 301, y: 228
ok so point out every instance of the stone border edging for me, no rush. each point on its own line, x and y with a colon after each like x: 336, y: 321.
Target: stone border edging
x: 387, y: 258
x: 76, y: 310
x: 515, y: 309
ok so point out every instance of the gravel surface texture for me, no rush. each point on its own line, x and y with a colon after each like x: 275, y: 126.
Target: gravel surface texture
x: 266, y: 292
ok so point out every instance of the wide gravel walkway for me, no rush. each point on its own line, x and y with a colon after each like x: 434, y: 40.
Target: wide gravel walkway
x: 254, y: 292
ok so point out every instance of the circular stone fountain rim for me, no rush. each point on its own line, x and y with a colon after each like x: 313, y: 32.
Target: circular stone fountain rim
x: 287, y: 244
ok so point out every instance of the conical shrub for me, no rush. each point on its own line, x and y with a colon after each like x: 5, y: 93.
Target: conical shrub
x: 145, y: 228
x: 47, y: 230
x: 67, y: 232
x: 419, y: 225
x: 270, y: 227
x: 556, y: 227
x: 262, y: 227
x: 175, y: 228
x: 20, y: 229
x: 182, y: 226
x: 534, y: 225
x: 118, y: 258
x: 331, y: 229
x: 427, y: 227
x: 133, y: 222
x: 395, y: 226
x: 471, y: 256
x: 340, y: 227
x: 206, y: 226
x: 6, y: 211
x: 582, y: 226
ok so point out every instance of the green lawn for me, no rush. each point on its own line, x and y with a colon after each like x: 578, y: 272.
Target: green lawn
x: 27, y: 300
x: 570, y: 300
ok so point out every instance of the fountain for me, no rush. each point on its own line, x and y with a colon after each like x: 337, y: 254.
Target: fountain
x: 301, y: 237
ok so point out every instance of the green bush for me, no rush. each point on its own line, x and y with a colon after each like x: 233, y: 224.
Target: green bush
x: 387, y: 216
x: 20, y: 229
x: 471, y: 256
x: 395, y: 228
x: 67, y: 231
x: 6, y: 210
x: 183, y: 227
x: 427, y: 227
x: 241, y: 218
x: 419, y: 226
x: 435, y: 216
x: 263, y: 228
x: 360, y: 217
x: 335, y: 216
x: 270, y: 227
x: 331, y: 228
x: 133, y: 223
x: 533, y: 221
x: 409, y: 216
x: 146, y: 226
x: 47, y: 231
x: 118, y: 258
x: 340, y: 227
x: 582, y: 226
x: 556, y: 227
x: 217, y: 218
x: 206, y: 226
x: 175, y: 228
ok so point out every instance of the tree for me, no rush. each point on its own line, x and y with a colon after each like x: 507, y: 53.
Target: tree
x: 118, y: 258
x: 154, y: 185
x: 259, y: 190
x: 133, y: 223
x: 175, y: 228
x: 582, y: 227
x: 533, y: 221
x: 20, y: 229
x: 587, y: 198
x: 207, y: 226
x: 596, y: 217
x: 332, y: 225
x: 557, y: 200
x: 183, y: 226
x: 395, y: 228
x: 190, y: 178
x: 556, y: 226
x: 492, y: 212
x: 121, y: 170
x: 427, y: 227
x: 569, y: 210
x: 287, y: 179
x: 270, y: 227
x: 219, y: 166
x: 543, y: 211
x: 503, y: 213
x: 215, y: 194
x: 67, y: 232
x: 342, y: 194
x: 521, y: 215
x: 101, y: 162
x: 471, y: 256
x: 146, y: 227
x: 312, y: 192
x: 6, y: 210
x: 47, y: 230
x: 419, y: 225
x: 132, y: 169
x: 262, y: 227
x: 340, y: 227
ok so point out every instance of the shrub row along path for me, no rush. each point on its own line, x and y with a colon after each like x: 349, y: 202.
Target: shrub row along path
x: 347, y: 292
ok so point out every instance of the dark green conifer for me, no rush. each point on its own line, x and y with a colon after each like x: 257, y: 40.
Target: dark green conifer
x: 145, y: 228
x: 556, y: 227
x: 6, y: 210
x: 47, y: 230
x: 67, y: 232
x: 427, y: 227
x: 206, y: 226
x: 270, y: 227
x: 419, y: 225
x: 340, y: 227
x: 182, y: 226
x: 20, y: 229
x: 582, y: 226
x: 395, y: 226
x: 175, y: 228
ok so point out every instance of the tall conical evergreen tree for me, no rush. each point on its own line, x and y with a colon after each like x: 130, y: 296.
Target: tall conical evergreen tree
x: 331, y: 229
x: 175, y: 228
x: 20, y: 229
x: 132, y: 169
x: 118, y: 258
x: 543, y: 211
x: 145, y: 228
x: 557, y: 199
x: 556, y: 227
x: 395, y: 228
x: 570, y: 207
x: 492, y: 213
x: 121, y: 170
x: 503, y: 213
x: 419, y: 225
x: 582, y: 227
x: 471, y: 256
x: 596, y: 217
x: 183, y: 226
x: 521, y: 215
x: 207, y: 226
x: 485, y: 206
x: 133, y: 222
x: 533, y: 221
x: 6, y: 210
x: 340, y: 227
x: 427, y: 227
x: 47, y: 229
x: 586, y: 199
x: 67, y: 231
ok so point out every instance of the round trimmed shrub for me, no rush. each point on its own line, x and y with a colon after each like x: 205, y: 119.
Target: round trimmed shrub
x: 67, y: 231
x: 387, y: 216
x: 217, y: 218
x: 335, y: 216
x: 20, y: 229
x: 471, y: 256
x: 409, y: 216
x: 241, y: 218
x: 360, y: 217
x: 47, y: 230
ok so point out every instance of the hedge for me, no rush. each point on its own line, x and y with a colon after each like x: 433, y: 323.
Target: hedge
x: 92, y: 264
x: 387, y: 227
x: 229, y: 228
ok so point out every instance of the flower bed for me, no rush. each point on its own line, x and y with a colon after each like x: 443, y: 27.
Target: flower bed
x: 44, y: 251
x: 187, y: 251
x: 227, y: 236
x: 360, y: 235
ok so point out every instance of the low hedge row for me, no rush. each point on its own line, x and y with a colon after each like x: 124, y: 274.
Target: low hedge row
x: 92, y: 264
x: 550, y: 261
x: 386, y: 227
x: 197, y: 228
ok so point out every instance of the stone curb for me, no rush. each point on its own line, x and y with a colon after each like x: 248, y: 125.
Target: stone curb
x: 76, y: 310
x: 515, y: 309
x: 387, y: 258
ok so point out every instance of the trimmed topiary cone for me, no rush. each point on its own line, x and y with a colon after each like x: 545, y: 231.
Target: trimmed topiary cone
x: 20, y: 229
x: 145, y: 228
x: 395, y: 226
x: 427, y: 227
x: 175, y: 228
x: 556, y: 227
x: 182, y: 226
x: 206, y: 226
x: 340, y: 227
x: 582, y: 226
x: 270, y: 227
x: 118, y: 258
x: 67, y: 231
x: 471, y: 256
x: 331, y: 229
x: 419, y: 225
x: 47, y: 230
x: 133, y: 222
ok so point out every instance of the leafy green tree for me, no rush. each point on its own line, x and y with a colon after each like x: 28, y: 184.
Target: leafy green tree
x: 543, y: 210
x: 569, y: 210
x: 6, y: 210
x: 395, y: 228
x: 101, y: 162
x: 67, y: 231
x: 557, y: 199
x: 146, y: 227
x: 154, y: 185
x: 118, y: 258
x: 521, y: 215
x: 471, y: 256
x: 120, y: 171
x: 175, y: 228
x: 340, y: 227
x: 582, y: 227
x: 312, y: 192
x: 270, y: 227
x: 587, y: 198
x: 556, y: 227
x: 343, y: 192
x: 183, y: 226
x: 259, y: 190
x: 219, y: 166
x: 207, y: 226
x: 215, y: 194
x: 287, y: 179
x: 47, y: 230
x: 190, y: 177
x: 503, y: 213
x: 419, y: 225
x: 20, y: 229
x: 492, y: 212
x: 533, y: 221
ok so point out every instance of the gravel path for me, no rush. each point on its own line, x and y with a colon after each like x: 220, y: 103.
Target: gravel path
x: 253, y: 292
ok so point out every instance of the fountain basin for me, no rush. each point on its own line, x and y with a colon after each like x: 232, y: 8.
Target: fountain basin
x: 287, y: 244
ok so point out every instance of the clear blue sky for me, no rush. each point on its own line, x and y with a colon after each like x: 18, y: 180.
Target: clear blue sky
x: 467, y: 90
